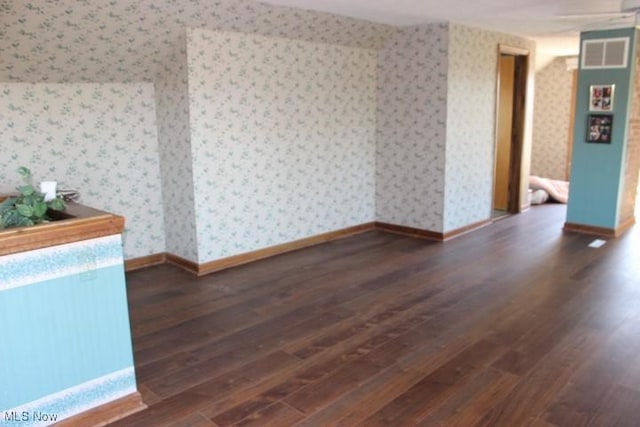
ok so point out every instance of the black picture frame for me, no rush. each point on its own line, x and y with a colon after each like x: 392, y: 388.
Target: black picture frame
x: 599, y: 128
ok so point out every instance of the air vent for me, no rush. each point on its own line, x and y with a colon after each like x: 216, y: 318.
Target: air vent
x: 605, y: 53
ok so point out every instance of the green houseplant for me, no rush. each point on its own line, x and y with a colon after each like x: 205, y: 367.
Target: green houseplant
x: 28, y: 207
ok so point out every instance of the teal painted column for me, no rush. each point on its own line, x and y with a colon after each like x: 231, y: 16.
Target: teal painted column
x: 597, y: 169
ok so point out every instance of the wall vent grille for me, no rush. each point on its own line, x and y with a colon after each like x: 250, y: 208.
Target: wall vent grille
x: 605, y: 53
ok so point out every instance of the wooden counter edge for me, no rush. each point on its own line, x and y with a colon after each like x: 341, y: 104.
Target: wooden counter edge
x: 97, y: 224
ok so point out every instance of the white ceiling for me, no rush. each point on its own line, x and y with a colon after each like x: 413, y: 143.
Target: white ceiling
x: 547, y: 21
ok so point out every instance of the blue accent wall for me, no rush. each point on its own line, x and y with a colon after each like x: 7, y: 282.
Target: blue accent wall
x: 597, y: 169
x: 64, y: 323
x: 63, y: 332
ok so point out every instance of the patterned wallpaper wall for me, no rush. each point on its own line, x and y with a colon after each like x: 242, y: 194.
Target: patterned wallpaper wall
x: 629, y: 200
x: 172, y: 101
x: 130, y: 41
x: 471, y: 109
x: 411, y: 133
x: 551, y: 120
x: 99, y: 139
x: 309, y: 153
x: 283, y: 139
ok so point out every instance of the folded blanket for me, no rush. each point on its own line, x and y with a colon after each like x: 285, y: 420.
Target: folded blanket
x: 558, y: 190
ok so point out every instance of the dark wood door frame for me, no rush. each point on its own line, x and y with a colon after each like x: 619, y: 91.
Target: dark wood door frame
x: 518, y: 125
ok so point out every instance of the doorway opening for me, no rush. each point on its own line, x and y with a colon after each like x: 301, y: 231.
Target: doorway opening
x: 513, y: 67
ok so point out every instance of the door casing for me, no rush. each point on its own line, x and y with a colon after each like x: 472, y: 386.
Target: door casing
x: 521, y: 71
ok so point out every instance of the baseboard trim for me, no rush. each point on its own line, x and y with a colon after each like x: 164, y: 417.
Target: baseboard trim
x: 236, y: 260
x: 466, y: 229
x: 409, y: 231
x: 100, y: 397
x: 245, y: 258
x: 625, y: 225
x: 185, y: 264
x: 107, y: 413
x: 589, y: 229
x: 430, y: 235
x: 144, y: 261
x: 600, y: 231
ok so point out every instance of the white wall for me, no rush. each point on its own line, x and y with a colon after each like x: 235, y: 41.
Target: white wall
x: 264, y: 140
x: 551, y: 120
x: 411, y: 132
x: 283, y: 139
x: 436, y: 125
x: 172, y: 100
x: 99, y: 139
x: 471, y: 115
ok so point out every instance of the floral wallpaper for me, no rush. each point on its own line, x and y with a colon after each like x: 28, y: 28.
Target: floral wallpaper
x: 130, y: 41
x: 174, y: 140
x: 99, y: 139
x: 629, y: 200
x: 436, y: 118
x: 273, y: 124
x: 551, y: 120
x: 411, y: 131
x: 283, y: 139
x: 471, y: 112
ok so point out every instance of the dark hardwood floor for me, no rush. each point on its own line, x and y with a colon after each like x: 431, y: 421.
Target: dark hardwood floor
x: 515, y: 324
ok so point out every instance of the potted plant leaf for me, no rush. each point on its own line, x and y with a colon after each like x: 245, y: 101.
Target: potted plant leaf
x: 29, y: 206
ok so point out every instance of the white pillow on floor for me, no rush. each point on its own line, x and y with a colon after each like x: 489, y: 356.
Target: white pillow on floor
x: 539, y: 197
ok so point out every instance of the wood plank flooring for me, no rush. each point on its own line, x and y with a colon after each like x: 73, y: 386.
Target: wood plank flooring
x: 517, y: 324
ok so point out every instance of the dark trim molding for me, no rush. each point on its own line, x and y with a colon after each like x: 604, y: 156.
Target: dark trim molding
x: 145, y: 261
x: 430, y: 235
x: 589, y: 229
x: 75, y: 224
x: 625, y: 225
x: 600, y: 231
x: 244, y: 258
x: 185, y: 264
x: 107, y: 413
x: 410, y: 231
x: 236, y: 260
x: 466, y: 229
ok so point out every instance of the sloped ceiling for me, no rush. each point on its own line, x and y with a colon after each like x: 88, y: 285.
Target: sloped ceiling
x: 555, y: 25
x: 128, y: 40
x: 62, y: 41
x: 529, y: 18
